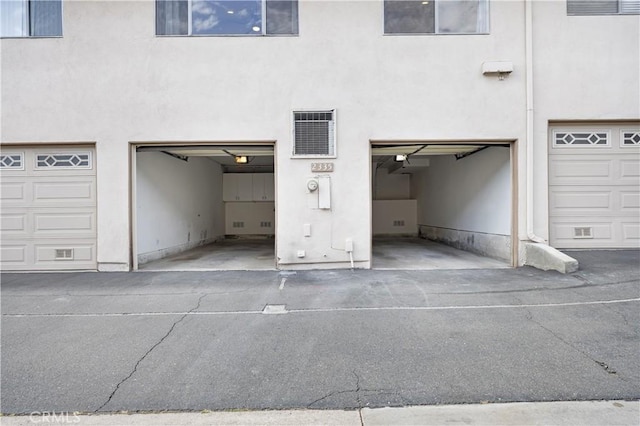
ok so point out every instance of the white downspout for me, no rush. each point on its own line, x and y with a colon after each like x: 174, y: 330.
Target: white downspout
x: 529, y: 96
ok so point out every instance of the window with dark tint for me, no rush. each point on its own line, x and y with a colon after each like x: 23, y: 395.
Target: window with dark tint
x: 226, y: 17
x: 436, y: 17
x: 603, y: 7
x: 30, y: 18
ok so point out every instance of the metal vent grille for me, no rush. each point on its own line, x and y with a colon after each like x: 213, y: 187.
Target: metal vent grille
x: 398, y: 222
x: 581, y: 138
x: 314, y: 133
x: 64, y: 254
x: 238, y: 224
x: 582, y: 232
x: 265, y: 224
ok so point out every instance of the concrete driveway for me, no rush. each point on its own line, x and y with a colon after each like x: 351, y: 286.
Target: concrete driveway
x: 105, y: 342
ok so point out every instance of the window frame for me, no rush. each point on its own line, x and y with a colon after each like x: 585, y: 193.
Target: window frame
x: 333, y: 148
x: 618, y: 13
x: 37, y: 166
x: 622, y: 137
x: 555, y: 145
x: 27, y: 19
x: 436, y: 22
x: 263, y: 33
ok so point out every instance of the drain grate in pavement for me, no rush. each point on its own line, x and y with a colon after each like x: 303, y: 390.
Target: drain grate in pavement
x: 274, y: 309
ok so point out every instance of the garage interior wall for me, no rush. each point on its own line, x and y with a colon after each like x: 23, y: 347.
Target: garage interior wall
x: 179, y: 204
x: 467, y: 203
x: 394, y: 212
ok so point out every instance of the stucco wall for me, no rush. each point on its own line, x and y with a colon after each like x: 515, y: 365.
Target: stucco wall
x: 471, y: 194
x: 179, y: 204
x: 112, y: 81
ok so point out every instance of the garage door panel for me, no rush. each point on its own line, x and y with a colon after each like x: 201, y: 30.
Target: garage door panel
x: 13, y: 192
x: 595, y: 232
x: 630, y: 200
x: 13, y: 255
x: 566, y: 170
x: 13, y: 224
x: 47, y: 223
x: 64, y: 252
x: 630, y: 170
x: 584, y: 201
x: 587, y: 228
x: 620, y: 169
x: 587, y: 201
x: 631, y: 233
x: 63, y: 191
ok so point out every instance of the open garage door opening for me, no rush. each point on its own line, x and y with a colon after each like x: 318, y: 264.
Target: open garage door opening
x: 442, y: 205
x: 204, y: 207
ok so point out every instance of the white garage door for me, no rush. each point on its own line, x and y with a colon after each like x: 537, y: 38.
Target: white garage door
x: 48, y: 211
x: 594, y: 186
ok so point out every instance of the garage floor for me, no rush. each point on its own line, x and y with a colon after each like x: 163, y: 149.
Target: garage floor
x: 388, y: 253
x: 227, y: 255
x: 418, y: 253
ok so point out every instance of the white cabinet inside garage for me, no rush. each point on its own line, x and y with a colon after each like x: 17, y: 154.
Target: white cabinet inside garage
x: 594, y: 186
x: 48, y: 213
x: 249, y: 203
x: 248, y: 187
x: 237, y: 187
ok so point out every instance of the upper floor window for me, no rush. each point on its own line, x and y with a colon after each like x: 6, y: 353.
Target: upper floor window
x: 603, y: 7
x: 226, y: 17
x: 30, y: 18
x: 436, y: 16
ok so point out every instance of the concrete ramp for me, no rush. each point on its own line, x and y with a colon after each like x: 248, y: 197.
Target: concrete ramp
x: 547, y: 258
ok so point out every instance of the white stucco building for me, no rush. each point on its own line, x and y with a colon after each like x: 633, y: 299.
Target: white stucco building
x: 519, y: 122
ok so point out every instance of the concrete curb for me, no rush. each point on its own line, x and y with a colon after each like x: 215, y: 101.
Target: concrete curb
x: 519, y: 413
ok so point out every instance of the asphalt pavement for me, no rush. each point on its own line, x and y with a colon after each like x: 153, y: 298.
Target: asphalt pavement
x: 320, y: 340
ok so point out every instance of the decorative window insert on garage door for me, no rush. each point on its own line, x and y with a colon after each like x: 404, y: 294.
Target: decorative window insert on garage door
x: 48, y: 209
x: 594, y: 186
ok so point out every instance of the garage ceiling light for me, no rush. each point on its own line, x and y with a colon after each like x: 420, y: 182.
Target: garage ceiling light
x: 241, y: 159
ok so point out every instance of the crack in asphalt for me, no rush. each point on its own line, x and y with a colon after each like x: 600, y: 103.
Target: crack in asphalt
x: 135, y: 367
x: 601, y: 364
x: 329, y: 395
x: 624, y: 319
x: 358, y: 392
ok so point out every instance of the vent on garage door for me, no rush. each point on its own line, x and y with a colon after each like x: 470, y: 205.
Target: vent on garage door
x: 64, y: 254
x: 582, y: 232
